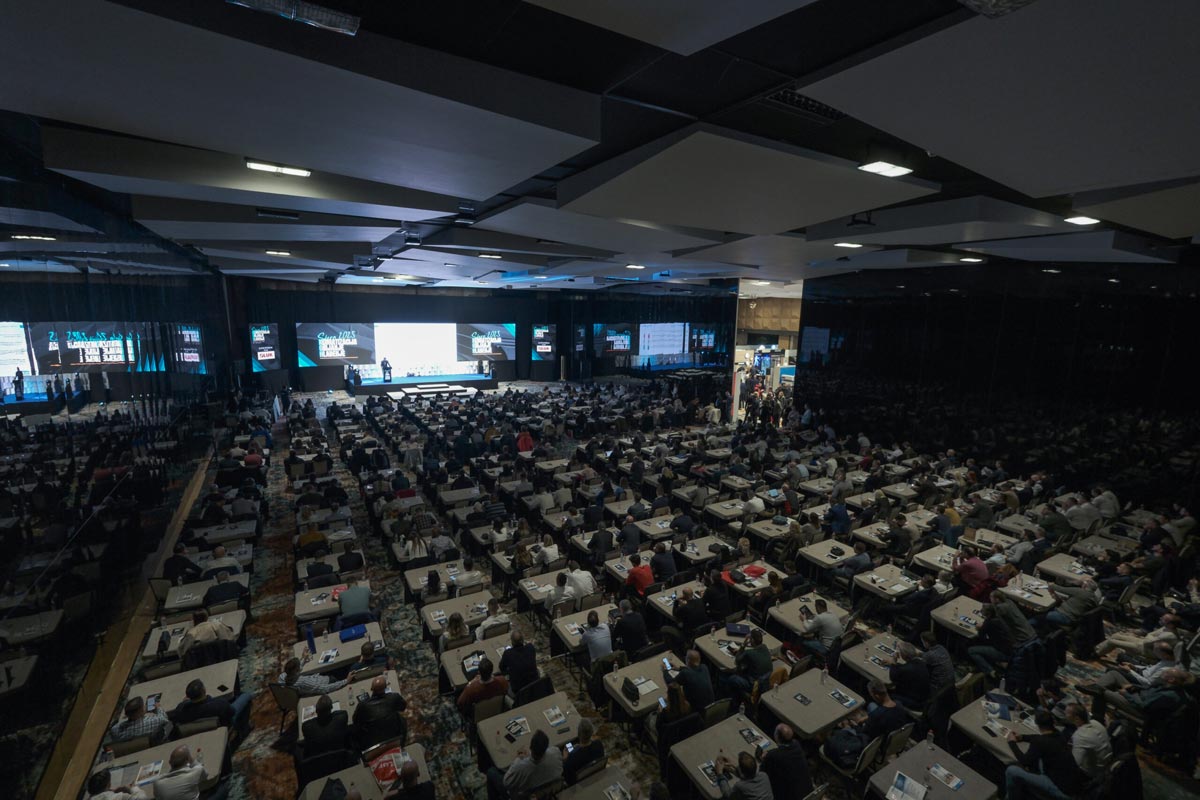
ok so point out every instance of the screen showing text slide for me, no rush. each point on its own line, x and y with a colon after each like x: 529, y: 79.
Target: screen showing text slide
x: 329, y: 344
x: 613, y: 338
x: 264, y: 347
x: 543, y: 343
x: 660, y: 338
x: 491, y: 341
x: 187, y: 344
x: 14, y: 350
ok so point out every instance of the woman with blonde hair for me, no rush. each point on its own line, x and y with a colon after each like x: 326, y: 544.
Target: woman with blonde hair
x: 456, y: 628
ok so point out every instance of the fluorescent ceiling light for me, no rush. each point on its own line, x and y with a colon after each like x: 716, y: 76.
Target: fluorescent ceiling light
x: 542, y: 277
x: 278, y: 169
x: 885, y: 168
x: 899, y: 285
x: 634, y: 266
x: 1081, y: 220
x: 847, y: 244
x: 448, y: 264
x: 277, y: 252
x: 33, y: 237
x: 762, y: 283
x: 954, y: 290
x: 483, y: 282
x: 5, y: 265
x: 1052, y: 271
x: 1114, y: 280
x: 490, y: 255
x: 971, y: 260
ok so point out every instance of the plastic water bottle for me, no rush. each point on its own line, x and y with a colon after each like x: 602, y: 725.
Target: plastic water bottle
x: 824, y: 674
x: 929, y: 738
x: 312, y: 640
x: 1002, y: 682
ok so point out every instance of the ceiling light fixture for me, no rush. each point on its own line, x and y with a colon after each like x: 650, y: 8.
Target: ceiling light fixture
x: 278, y: 169
x: 542, y: 277
x: 884, y: 168
x: 762, y: 283
x: 482, y: 282
x: 33, y: 237
x: 317, y: 16
x: 634, y: 266
x: 1114, y: 280
x: 1052, y: 271
x: 971, y: 260
x: 954, y: 290
x: 852, y: 245
x: 899, y: 285
x: 490, y: 255
x: 1081, y: 220
x: 284, y: 253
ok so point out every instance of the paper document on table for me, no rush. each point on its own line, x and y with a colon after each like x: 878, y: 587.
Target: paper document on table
x: 946, y: 776
x: 905, y: 788
x: 646, y: 686
x: 899, y: 587
x: 148, y: 772
x: 555, y: 716
x: 573, y: 628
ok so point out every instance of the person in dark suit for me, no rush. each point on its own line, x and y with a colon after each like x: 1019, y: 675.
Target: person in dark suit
x: 408, y: 785
x: 179, y: 568
x: 630, y: 536
x: 349, y: 560
x: 328, y: 731
x: 662, y: 563
x: 787, y: 766
x: 224, y: 589
x: 379, y: 717
x: 689, y: 611
x: 629, y: 634
x: 909, y: 677
x: 716, y: 597
x: 519, y: 663
x: 199, y: 705
x: 601, y: 543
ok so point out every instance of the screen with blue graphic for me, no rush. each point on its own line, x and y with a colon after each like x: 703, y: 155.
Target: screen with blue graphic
x: 492, y: 341
x: 96, y: 347
x: 187, y: 347
x: 544, y: 343
x: 322, y: 344
x: 264, y: 347
x: 612, y: 338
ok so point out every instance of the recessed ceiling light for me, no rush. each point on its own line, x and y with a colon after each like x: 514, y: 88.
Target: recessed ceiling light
x: 634, y: 266
x: 762, y: 283
x: 448, y: 264
x: 33, y: 237
x: 542, y: 277
x: 5, y: 265
x: 9, y: 265
x: 277, y: 252
x: 847, y: 244
x: 490, y: 255
x: 278, y: 169
x: 899, y: 285
x: 1081, y: 220
x: 971, y: 260
x: 1052, y: 271
x: 481, y: 282
x: 1114, y: 280
x: 885, y: 168
x: 954, y: 290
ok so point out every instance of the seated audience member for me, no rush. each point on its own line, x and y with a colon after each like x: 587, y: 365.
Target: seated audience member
x: 752, y: 784
x: 495, y: 617
x: 468, y: 577
x: 580, y: 580
x: 184, y: 780
x: 883, y: 716
x: 640, y: 576
x: 1089, y: 740
x: 483, y: 686
x: 752, y: 664
x: 821, y: 629
x: 662, y: 563
x: 307, y: 684
x: 370, y: 656
x: 689, y: 611
x: 409, y: 786
x: 1046, y: 766
x: 1169, y: 632
x: 717, y: 601
x: 224, y: 590
x: 629, y: 633
x: 596, y: 637
x: 786, y: 765
x: 535, y: 768
x: 969, y: 569
x: 221, y: 560
x: 380, y: 716
x: 180, y: 569
x: 859, y: 562
x: 100, y: 787
x: 937, y: 659
x: 328, y: 731
x: 140, y: 722
x: 991, y: 649
x: 456, y: 629
x: 909, y: 677
x: 204, y: 631
x: 1073, y: 603
x: 587, y: 751
x: 199, y: 705
x: 519, y: 663
x: 560, y: 592
x: 354, y: 607
x: 349, y: 560
x: 694, y: 679
x: 548, y: 553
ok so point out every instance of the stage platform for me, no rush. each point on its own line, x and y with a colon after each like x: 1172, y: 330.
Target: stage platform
x: 400, y: 383
x: 33, y: 403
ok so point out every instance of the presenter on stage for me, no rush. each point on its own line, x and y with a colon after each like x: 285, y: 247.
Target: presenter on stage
x: 19, y: 385
x: 386, y: 366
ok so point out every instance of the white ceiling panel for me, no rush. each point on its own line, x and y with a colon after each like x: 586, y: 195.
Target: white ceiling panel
x: 783, y: 252
x: 1100, y: 246
x: 963, y: 220
x: 190, y: 221
x: 138, y: 166
x: 712, y: 178
x: 1173, y: 213
x: 1061, y: 96
x: 387, y: 112
x: 681, y: 26
x: 540, y: 219
x: 37, y: 219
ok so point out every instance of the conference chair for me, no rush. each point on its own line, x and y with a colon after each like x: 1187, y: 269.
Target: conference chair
x: 493, y: 631
x: 594, y: 768
x: 137, y: 744
x: 287, y: 698
x: 159, y: 587
x: 185, y: 729
x: 536, y: 690
x: 865, y: 759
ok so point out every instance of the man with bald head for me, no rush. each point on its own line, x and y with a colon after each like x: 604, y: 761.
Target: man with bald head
x: 380, y: 716
x: 409, y: 786
x: 787, y: 766
x: 184, y: 779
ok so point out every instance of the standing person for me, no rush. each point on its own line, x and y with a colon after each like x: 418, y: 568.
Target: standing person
x: 386, y: 366
x: 19, y: 385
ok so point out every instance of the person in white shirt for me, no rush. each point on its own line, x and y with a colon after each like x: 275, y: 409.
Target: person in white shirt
x: 1090, y: 744
x: 184, y: 779
x: 580, y: 579
x: 222, y: 561
x: 468, y: 576
x: 548, y: 553
x: 562, y: 590
x: 495, y: 616
x: 1106, y: 503
x: 1081, y: 515
x: 1018, y: 551
x: 99, y: 788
